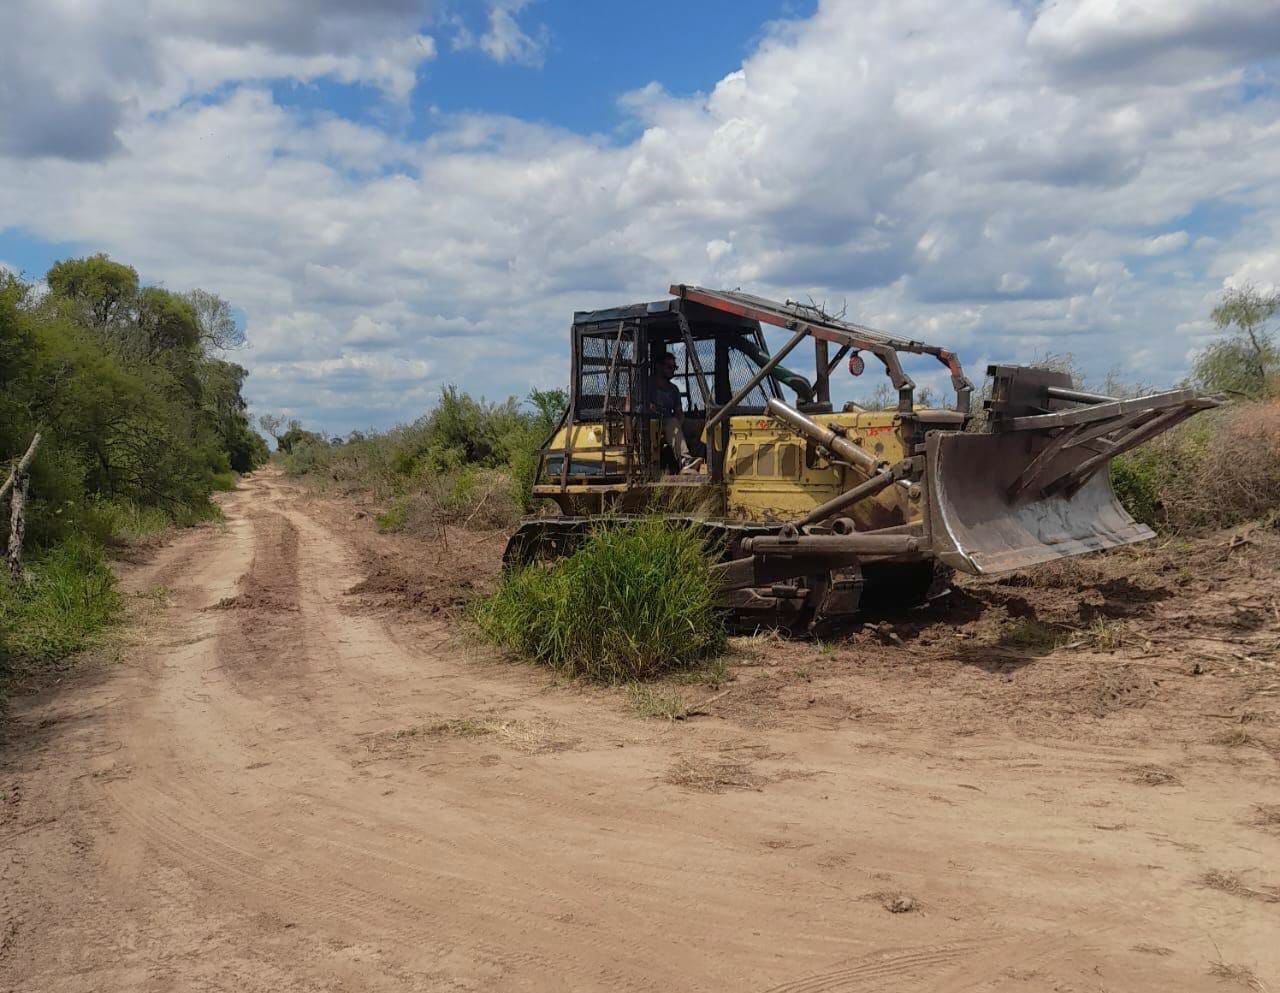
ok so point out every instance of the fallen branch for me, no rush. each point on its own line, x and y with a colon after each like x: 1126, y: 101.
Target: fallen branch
x: 700, y: 709
x: 486, y: 496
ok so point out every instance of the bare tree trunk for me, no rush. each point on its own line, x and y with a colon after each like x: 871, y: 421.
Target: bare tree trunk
x: 1259, y: 358
x: 20, y: 469
x: 18, y: 526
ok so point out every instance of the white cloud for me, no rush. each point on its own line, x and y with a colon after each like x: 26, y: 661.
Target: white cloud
x: 1157, y: 39
x: 77, y: 72
x: 954, y: 169
x: 504, y: 39
x: 1164, y: 243
x: 717, y: 249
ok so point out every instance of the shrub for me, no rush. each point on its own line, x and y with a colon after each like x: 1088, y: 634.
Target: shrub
x: 1217, y: 470
x: 477, y: 498
x: 1135, y: 479
x: 310, y: 454
x: 636, y: 601
x: 122, y: 521
x: 69, y: 597
x: 460, y: 435
x: 393, y: 518
x: 524, y: 468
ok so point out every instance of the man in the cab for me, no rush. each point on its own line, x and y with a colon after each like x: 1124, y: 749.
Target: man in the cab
x: 669, y: 405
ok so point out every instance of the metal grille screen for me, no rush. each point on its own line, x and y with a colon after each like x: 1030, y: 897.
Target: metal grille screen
x: 597, y: 356
x: 741, y: 369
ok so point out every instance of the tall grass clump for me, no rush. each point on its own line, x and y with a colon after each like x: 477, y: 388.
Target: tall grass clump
x: 69, y: 597
x: 636, y: 601
x: 123, y: 522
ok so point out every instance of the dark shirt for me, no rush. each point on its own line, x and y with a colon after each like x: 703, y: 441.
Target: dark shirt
x: 666, y: 397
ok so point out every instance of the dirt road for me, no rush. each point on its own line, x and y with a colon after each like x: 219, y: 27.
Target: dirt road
x: 275, y: 789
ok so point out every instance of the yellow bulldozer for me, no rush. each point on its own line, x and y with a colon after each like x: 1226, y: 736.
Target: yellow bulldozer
x: 814, y: 512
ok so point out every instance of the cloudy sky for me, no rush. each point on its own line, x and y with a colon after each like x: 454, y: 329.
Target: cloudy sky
x: 399, y: 194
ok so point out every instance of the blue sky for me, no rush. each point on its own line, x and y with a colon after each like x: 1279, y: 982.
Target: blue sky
x: 422, y: 192
x: 594, y: 53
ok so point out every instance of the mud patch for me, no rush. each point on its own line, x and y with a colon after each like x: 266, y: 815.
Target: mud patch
x: 389, y: 585
x: 413, y: 576
x: 713, y: 774
x: 895, y: 901
x: 731, y: 766
x: 255, y: 600
x: 531, y: 737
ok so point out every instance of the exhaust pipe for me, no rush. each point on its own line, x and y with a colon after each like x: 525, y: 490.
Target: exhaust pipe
x: 824, y: 437
x: 880, y: 475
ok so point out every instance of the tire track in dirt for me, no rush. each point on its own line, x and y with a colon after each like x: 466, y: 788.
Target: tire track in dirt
x: 266, y: 658
x: 251, y: 840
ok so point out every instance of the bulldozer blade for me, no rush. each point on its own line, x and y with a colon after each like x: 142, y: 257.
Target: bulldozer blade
x: 982, y: 521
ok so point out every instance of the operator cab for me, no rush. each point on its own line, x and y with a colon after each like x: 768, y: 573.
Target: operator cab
x: 612, y: 430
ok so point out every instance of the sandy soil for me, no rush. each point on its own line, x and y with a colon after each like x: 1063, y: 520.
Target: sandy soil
x: 296, y: 776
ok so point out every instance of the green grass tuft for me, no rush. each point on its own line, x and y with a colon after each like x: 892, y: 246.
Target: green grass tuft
x: 392, y: 519
x: 1031, y: 634
x: 224, y: 482
x: 636, y: 601
x: 124, y: 522
x: 1105, y: 635
x: 648, y: 700
x: 69, y: 597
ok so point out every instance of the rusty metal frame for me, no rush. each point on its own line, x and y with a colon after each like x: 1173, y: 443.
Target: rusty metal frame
x: 608, y: 396
x: 1098, y: 411
x: 1136, y: 435
x: 841, y: 352
x: 774, y: 361
x: 570, y: 414
x: 811, y: 322
x: 1105, y: 426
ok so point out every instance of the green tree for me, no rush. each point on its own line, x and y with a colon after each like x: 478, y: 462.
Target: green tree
x: 116, y: 377
x: 139, y: 424
x: 104, y: 292
x: 1246, y: 360
x: 550, y: 406
x: 298, y: 435
x: 223, y: 404
x: 165, y: 322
